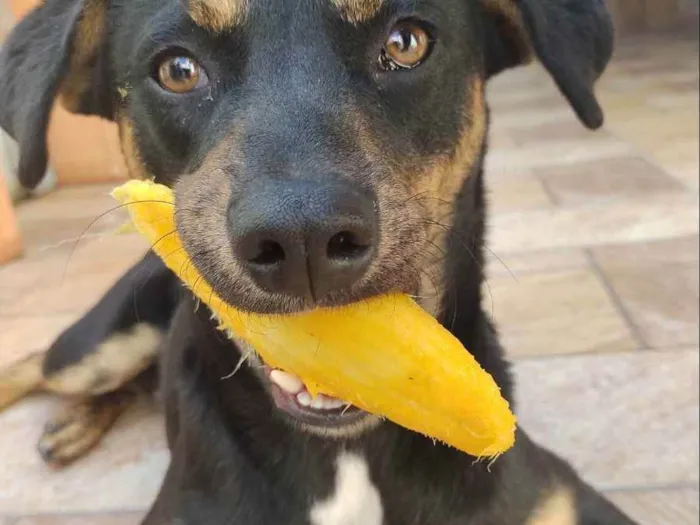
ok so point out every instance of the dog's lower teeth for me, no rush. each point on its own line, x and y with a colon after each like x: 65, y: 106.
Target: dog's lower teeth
x: 320, y: 402
x: 304, y: 398
x: 291, y: 384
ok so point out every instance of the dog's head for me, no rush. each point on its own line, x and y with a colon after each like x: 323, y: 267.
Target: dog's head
x: 318, y: 149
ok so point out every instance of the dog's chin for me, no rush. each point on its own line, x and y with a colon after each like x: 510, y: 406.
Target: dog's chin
x: 320, y: 415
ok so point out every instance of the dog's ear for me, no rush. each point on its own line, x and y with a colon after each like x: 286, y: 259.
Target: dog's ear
x: 58, y: 49
x: 573, y: 39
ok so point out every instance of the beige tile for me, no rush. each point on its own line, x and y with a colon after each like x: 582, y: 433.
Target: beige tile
x: 626, y: 177
x: 680, y: 158
x: 650, y: 130
x: 517, y: 194
x: 685, y: 172
x: 110, y: 253
x: 500, y: 138
x: 657, y: 284
x: 556, y: 313
x: 21, y: 274
x: 7, y: 295
x: 569, y: 130
x: 68, y: 214
x: 69, y: 203
x: 21, y: 336
x: 122, y: 474
x: 515, y: 265
x: 659, y: 507
x: 676, y: 250
x: 566, y: 152
x: 651, y: 218
x: 84, y: 519
x: 624, y: 420
x: 105, y: 254
x: 73, y: 294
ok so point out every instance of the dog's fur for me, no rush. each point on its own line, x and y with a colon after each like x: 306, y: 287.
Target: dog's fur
x: 295, y: 93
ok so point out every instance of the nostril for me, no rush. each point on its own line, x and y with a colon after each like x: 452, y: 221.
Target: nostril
x: 268, y: 253
x: 346, y: 245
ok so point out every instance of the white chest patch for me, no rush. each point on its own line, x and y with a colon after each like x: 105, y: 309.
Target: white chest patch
x: 355, y: 500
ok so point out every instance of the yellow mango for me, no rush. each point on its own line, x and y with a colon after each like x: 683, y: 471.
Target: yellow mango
x: 385, y: 355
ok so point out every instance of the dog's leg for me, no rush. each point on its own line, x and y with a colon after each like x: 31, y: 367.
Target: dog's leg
x: 79, y: 427
x: 116, y: 341
x: 20, y: 378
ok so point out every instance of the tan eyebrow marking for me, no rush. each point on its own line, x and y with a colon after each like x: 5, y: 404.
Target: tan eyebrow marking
x: 217, y: 15
x: 357, y: 11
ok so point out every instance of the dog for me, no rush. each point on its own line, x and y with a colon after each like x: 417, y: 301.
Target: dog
x: 321, y: 152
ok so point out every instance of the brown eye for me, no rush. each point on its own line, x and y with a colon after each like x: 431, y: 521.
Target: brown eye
x: 181, y: 74
x: 408, y: 46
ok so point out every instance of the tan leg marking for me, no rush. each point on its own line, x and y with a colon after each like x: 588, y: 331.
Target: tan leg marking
x: 111, y: 365
x: 20, y: 379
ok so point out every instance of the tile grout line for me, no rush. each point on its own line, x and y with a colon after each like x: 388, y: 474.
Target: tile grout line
x: 615, y: 298
x: 556, y: 202
x: 647, y: 157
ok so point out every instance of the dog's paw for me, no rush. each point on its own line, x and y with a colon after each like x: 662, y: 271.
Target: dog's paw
x: 79, y: 428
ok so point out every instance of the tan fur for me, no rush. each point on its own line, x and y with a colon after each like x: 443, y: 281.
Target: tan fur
x: 88, y: 36
x: 130, y: 150
x: 218, y: 15
x: 556, y: 509
x: 111, y: 365
x: 440, y: 185
x: 208, y: 193
x: 20, y: 379
x: 80, y: 427
x: 357, y: 11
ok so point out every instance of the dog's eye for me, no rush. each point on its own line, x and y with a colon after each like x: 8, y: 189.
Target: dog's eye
x: 407, y: 46
x: 181, y: 74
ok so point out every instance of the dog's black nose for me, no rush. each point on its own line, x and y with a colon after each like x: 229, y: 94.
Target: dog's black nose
x: 304, y: 238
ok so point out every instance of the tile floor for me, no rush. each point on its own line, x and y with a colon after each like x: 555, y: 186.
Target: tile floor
x: 595, y: 289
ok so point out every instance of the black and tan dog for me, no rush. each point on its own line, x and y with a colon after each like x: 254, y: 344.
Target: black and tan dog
x: 321, y: 151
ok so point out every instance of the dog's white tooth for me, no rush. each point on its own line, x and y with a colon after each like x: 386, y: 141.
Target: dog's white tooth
x: 304, y: 398
x: 318, y: 402
x: 287, y: 382
x: 334, y: 404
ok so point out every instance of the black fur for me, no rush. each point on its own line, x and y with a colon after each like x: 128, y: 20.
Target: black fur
x: 235, y: 459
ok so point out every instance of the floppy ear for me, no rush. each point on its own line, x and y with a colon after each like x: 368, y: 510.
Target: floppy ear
x: 573, y: 39
x: 57, y: 49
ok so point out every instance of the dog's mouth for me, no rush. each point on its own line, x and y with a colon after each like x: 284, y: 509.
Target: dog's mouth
x: 293, y: 398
